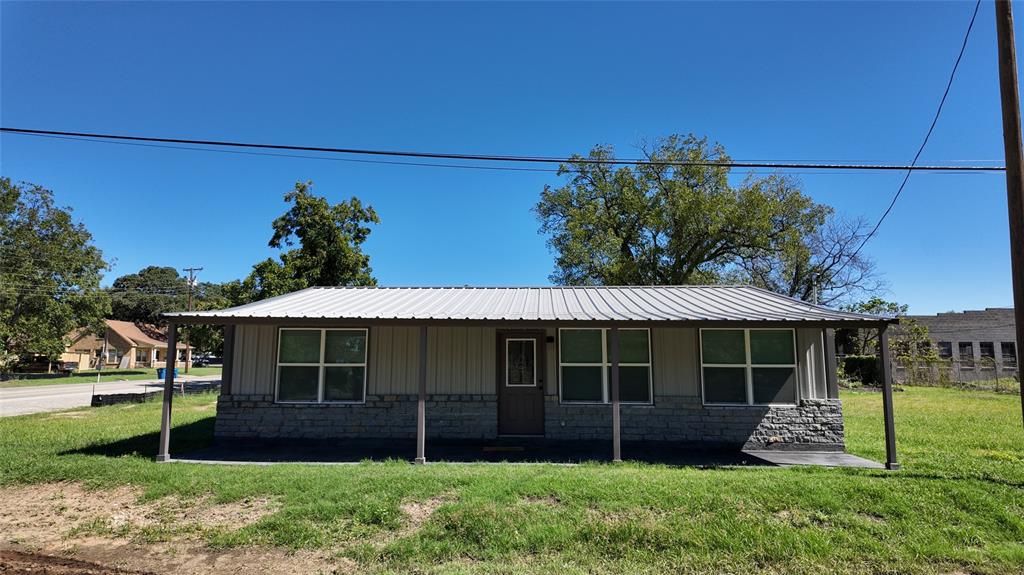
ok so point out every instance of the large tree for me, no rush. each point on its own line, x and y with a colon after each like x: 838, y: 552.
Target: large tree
x: 825, y: 267
x: 321, y: 244
x: 155, y: 290
x: 49, y: 274
x: 144, y: 295
x: 665, y: 223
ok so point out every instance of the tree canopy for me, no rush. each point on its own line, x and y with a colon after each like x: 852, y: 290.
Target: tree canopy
x: 49, y: 274
x: 144, y: 295
x: 329, y: 240
x: 664, y: 223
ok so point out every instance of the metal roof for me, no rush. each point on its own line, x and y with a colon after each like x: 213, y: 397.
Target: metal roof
x: 719, y: 303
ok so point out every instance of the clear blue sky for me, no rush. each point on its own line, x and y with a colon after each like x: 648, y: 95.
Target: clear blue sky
x: 792, y: 81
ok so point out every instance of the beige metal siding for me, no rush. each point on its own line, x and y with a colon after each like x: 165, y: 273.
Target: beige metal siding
x: 674, y: 362
x: 461, y: 360
x: 810, y: 357
x: 394, y: 360
x: 255, y: 360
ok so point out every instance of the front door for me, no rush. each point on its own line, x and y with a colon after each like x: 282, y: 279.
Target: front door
x: 521, y: 383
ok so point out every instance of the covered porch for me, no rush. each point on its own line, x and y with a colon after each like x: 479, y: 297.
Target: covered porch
x: 420, y: 408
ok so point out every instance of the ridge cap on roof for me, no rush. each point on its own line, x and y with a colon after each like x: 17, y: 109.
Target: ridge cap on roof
x: 467, y: 287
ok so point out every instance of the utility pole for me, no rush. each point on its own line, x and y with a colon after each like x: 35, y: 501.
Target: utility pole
x: 1014, y: 163
x: 191, y: 282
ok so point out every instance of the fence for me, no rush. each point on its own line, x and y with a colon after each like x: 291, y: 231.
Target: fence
x: 984, y: 373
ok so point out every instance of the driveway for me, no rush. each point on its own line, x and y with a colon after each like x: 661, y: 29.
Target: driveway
x: 22, y: 400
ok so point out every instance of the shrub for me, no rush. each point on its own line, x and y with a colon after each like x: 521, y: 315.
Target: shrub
x: 862, y: 368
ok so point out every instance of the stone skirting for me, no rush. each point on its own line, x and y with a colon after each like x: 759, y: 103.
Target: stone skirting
x: 813, y: 424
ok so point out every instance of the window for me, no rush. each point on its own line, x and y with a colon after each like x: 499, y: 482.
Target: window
x: 521, y: 362
x: 987, y: 351
x: 1009, y: 351
x: 945, y: 349
x: 748, y: 366
x: 585, y: 365
x: 321, y: 365
x: 141, y: 355
x: 966, y: 349
x: 113, y: 356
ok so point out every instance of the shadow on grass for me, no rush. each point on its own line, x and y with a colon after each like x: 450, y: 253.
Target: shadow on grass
x: 188, y: 437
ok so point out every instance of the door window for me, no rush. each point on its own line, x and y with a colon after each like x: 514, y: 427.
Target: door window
x: 521, y: 362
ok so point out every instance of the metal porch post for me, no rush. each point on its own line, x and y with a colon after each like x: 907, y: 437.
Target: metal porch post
x: 831, y: 377
x: 616, y: 422
x: 164, y: 451
x: 890, y: 426
x: 421, y: 406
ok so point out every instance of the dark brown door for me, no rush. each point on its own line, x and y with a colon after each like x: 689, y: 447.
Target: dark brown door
x: 521, y: 383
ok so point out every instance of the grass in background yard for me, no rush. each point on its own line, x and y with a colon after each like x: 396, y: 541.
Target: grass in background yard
x: 957, y: 505
x: 108, y: 375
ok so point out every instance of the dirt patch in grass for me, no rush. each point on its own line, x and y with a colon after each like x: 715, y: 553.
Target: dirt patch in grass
x: 27, y: 563
x: 58, y: 528
x: 69, y: 507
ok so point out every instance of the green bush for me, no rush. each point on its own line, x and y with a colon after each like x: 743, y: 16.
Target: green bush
x: 862, y: 368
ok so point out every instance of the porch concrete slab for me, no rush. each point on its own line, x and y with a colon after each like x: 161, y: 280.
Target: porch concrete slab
x: 503, y: 451
x: 825, y: 459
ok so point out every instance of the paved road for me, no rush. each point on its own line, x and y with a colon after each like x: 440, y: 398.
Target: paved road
x: 22, y: 400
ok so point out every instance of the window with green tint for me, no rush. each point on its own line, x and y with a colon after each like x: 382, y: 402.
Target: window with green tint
x: 634, y: 346
x: 345, y: 346
x: 581, y: 346
x: 771, y: 347
x: 725, y: 385
x: 327, y: 365
x: 344, y: 383
x: 634, y: 383
x: 774, y: 385
x: 582, y: 383
x: 299, y: 346
x: 298, y: 383
x: 766, y: 376
x: 723, y: 346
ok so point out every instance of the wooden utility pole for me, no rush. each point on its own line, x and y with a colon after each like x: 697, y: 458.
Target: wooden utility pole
x: 191, y: 282
x: 1014, y: 163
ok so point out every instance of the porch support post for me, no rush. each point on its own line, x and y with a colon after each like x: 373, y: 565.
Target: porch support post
x: 831, y: 377
x: 227, y: 359
x: 613, y: 334
x: 421, y: 407
x: 164, y: 451
x: 890, y: 426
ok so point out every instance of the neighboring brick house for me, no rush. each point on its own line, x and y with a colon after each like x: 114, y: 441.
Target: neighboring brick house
x: 129, y: 345
x: 981, y: 344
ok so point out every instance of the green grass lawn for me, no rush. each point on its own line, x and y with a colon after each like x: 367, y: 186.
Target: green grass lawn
x: 107, y: 375
x: 957, y: 505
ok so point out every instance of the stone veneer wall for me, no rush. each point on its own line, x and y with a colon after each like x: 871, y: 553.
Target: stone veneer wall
x: 813, y: 424
x: 381, y: 417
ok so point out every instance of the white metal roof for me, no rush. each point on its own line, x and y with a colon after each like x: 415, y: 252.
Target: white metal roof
x: 721, y: 303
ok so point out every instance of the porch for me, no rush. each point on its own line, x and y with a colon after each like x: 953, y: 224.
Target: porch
x: 513, y: 451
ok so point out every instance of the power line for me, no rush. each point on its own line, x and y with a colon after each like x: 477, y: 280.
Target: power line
x: 430, y: 164
x: 924, y: 143
x: 500, y: 158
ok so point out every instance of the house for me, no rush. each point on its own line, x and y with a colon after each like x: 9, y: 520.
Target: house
x: 978, y: 344
x: 129, y: 345
x: 708, y: 365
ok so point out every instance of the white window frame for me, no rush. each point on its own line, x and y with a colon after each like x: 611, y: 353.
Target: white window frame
x: 749, y: 367
x: 533, y: 344
x: 321, y: 365
x: 605, y: 366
